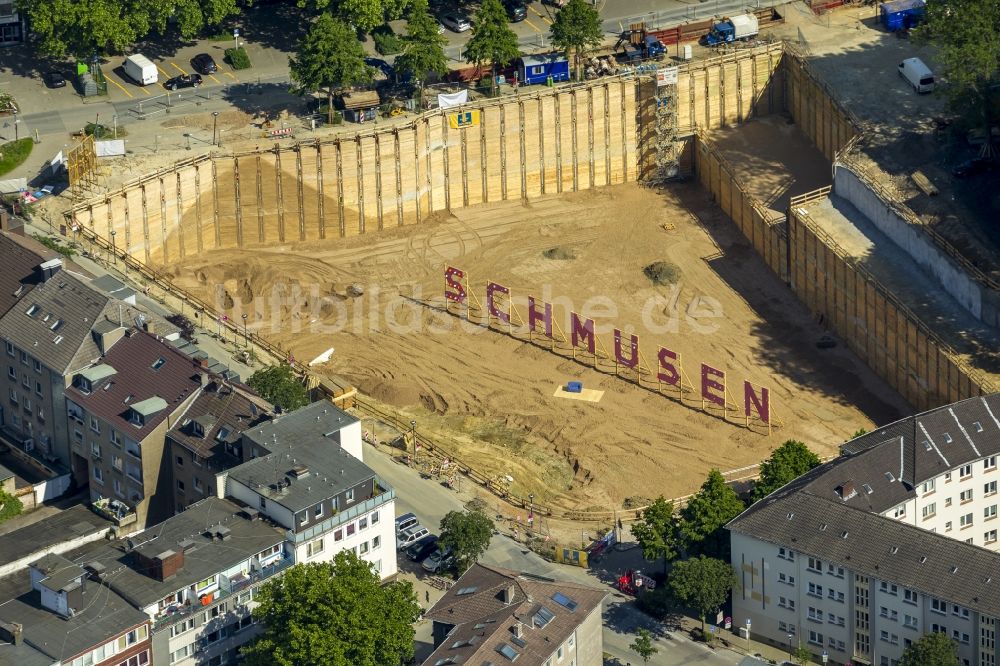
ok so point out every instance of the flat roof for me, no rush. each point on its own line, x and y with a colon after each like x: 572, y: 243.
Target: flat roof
x: 74, y: 522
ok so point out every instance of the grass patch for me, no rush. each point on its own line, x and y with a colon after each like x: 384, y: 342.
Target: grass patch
x: 101, y: 132
x: 387, y: 42
x: 662, y: 272
x: 65, y: 250
x: 221, y: 37
x: 13, y: 154
x: 559, y: 252
x: 238, y: 58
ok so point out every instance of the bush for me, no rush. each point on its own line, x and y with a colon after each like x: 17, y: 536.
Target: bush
x: 51, y: 243
x: 13, y: 154
x: 10, y: 506
x: 386, y: 41
x: 100, y: 132
x: 662, y: 272
x: 238, y: 58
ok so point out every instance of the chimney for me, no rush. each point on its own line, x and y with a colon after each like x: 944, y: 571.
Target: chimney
x: 149, y: 327
x: 165, y: 565
x: 47, y: 269
x: 507, y: 595
x: 517, y: 630
x: 846, y: 490
x: 11, y: 632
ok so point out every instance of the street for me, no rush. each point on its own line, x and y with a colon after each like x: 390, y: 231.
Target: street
x: 621, y: 618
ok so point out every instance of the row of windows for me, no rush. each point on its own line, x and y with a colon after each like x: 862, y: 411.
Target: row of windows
x: 964, y: 472
x: 317, y: 546
x: 25, y: 358
x: 816, y: 615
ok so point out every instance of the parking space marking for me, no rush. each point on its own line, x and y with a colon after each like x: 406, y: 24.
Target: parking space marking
x: 174, y: 65
x: 540, y: 15
x: 230, y: 76
x: 533, y: 26
x: 162, y: 71
x: 214, y: 79
x: 143, y: 89
x: 111, y: 80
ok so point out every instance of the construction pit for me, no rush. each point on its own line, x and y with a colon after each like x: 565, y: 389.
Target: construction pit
x: 343, y: 245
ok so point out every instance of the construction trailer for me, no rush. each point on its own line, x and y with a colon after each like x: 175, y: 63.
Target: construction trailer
x: 544, y: 67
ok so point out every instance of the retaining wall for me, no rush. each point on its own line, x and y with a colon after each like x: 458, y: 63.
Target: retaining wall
x: 815, y: 109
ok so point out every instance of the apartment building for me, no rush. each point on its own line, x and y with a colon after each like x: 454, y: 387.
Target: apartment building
x: 496, y: 616
x: 207, y: 438
x: 11, y: 23
x: 893, y: 539
x: 62, y: 615
x: 119, y: 411
x: 55, y: 329
x: 194, y: 578
x: 304, y: 470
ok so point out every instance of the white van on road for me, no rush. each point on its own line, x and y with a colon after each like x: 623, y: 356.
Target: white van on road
x: 140, y: 69
x: 917, y: 74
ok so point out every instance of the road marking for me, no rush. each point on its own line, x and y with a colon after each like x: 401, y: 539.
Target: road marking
x: 230, y: 76
x: 162, y: 71
x: 214, y: 79
x: 177, y: 68
x: 143, y: 89
x: 111, y: 80
x: 540, y: 15
x: 533, y: 26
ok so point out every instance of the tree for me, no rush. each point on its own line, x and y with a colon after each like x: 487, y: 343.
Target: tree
x: 643, y: 645
x: 802, y: 655
x: 789, y: 461
x: 702, y: 583
x: 334, y: 613
x: 10, y: 506
x: 424, y: 50
x: 576, y: 29
x: 934, y: 649
x: 492, y: 39
x: 365, y: 15
x: 702, y: 520
x: 656, y: 533
x: 278, y: 385
x: 468, y: 534
x: 329, y: 58
x: 966, y: 34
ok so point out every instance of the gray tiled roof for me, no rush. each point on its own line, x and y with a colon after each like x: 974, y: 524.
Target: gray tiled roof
x: 202, y: 559
x: 883, y: 468
x: 17, y: 274
x: 483, y: 621
x: 220, y: 406
x: 308, y: 436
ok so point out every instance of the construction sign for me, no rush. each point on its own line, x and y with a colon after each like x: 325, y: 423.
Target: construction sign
x: 666, y: 76
x: 463, y: 119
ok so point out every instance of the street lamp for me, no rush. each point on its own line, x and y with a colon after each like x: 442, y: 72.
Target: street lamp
x: 790, y: 647
x: 114, y: 248
x: 531, y: 510
x: 826, y: 655
x: 16, y: 121
x: 187, y: 135
x: 246, y: 340
x: 215, y: 124
x: 748, y: 635
x: 413, y: 438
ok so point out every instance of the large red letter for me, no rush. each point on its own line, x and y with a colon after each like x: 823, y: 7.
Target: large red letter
x: 707, y: 382
x: 762, y: 404
x: 582, y: 330
x: 492, y: 288
x: 535, y: 316
x: 669, y: 374
x: 633, y: 349
x: 454, y: 290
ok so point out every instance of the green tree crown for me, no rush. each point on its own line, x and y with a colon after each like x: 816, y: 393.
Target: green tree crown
x: 934, y: 649
x: 468, y: 534
x: 424, y: 50
x: 702, y: 583
x: 576, y: 29
x: 492, y: 39
x: 656, y: 532
x: 789, y: 461
x: 703, y: 519
x: 278, y: 385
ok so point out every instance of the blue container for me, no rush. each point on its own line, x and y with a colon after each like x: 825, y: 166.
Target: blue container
x: 574, y: 387
x: 902, y: 14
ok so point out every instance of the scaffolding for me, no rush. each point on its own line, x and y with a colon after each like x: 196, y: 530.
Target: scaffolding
x: 665, y: 127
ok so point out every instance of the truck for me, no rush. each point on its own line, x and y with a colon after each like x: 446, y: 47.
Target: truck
x: 140, y: 69
x: 901, y: 15
x: 637, y: 44
x: 732, y: 29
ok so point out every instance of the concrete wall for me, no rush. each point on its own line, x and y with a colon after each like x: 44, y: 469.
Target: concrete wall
x: 960, y: 281
x: 815, y: 109
x: 540, y: 142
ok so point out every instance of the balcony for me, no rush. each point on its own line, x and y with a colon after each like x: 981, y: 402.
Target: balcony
x: 227, y: 588
x: 117, y: 512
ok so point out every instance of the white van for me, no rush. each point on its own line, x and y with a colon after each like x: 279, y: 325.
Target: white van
x: 917, y: 74
x: 140, y: 69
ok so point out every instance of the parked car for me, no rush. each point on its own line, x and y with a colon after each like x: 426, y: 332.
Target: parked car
x: 419, y: 551
x: 204, y: 64
x: 407, y: 520
x: 517, y: 11
x: 411, y: 536
x: 456, y: 22
x: 183, y: 81
x: 55, y: 79
x: 438, y: 561
x: 973, y: 167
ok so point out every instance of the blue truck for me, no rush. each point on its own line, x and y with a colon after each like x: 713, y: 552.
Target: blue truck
x: 902, y: 14
x: 744, y: 26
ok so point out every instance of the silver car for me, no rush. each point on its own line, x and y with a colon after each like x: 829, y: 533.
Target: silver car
x: 456, y: 22
x: 410, y: 537
x: 438, y: 561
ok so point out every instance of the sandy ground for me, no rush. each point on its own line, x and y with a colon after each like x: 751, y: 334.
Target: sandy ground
x: 491, y: 395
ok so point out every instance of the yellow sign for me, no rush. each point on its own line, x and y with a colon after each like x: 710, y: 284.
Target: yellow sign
x: 463, y: 119
x: 571, y: 556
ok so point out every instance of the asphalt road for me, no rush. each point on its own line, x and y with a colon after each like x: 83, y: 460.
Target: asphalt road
x: 621, y: 619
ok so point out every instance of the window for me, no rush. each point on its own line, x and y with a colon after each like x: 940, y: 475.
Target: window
x: 180, y: 461
x: 990, y: 463
x: 182, y: 653
x: 910, y: 621
x: 834, y: 570
x: 939, y: 606
x: 205, y: 584
x: 38, y: 388
x: 116, y: 461
x: 929, y: 511
x: 363, y: 548
x: 314, y: 548
x: 990, y: 488
x: 10, y: 348
x: 947, y: 526
x: 26, y: 381
x: 95, y: 425
x: 947, y: 502
x: 363, y: 523
x: 889, y: 588
x: 98, y: 475
x: 815, y: 638
x: 318, y: 511
x: 95, y: 449
x: 927, y: 486
x: 965, y: 471
x: 373, y: 519
x: 36, y: 364
x: 338, y: 535
x: 815, y: 590
x: 960, y: 611
x: 786, y: 603
x: 785, y: 578
x: 965, y: 521
x: 180, y: 485
x: 11, y: 372
x: 786, y: 554
x: 815, y: 614
x: 349, y: 495
x: 376, y: 542
x: 197, y: 485
x: 13, y: 396
x: 990, y: 537
x: 815, y: 565
x: 965, y: 496
x: 835, y: 595
x: 181, y: 627
x: 910, y: 596
x: 118, y: 488
x: 24, y: 357
x: 990, y: 512
x: 351, y: 529
x: 899, y: 511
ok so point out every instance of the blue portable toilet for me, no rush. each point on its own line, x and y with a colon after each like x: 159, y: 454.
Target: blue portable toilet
x: 538, y: 68
x: 902, y: 14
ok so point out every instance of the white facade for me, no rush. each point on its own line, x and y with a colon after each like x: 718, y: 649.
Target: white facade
x: 792, y: 599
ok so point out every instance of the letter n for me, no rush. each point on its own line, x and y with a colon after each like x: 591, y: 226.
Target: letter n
x: 751, y: 402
